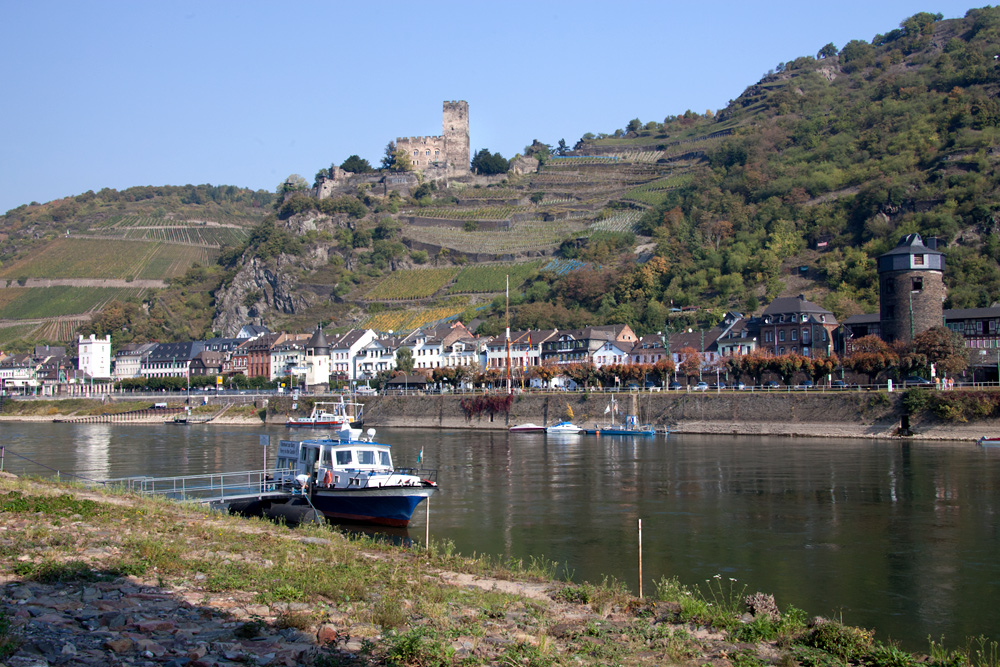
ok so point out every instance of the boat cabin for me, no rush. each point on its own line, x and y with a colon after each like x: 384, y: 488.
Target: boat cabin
x: 342, y: 463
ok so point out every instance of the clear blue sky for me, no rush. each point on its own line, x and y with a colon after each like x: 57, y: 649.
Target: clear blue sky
x: 117, y: 94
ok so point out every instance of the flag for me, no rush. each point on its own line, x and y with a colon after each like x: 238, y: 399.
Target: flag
x: 420, y: 455
x: 607, y: 409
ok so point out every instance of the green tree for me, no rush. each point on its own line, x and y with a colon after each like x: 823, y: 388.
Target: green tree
x: 404, y: 360
x: 827, y: 51
x: 487, y: 163
x: 356, y: 165
x: 389, y: 158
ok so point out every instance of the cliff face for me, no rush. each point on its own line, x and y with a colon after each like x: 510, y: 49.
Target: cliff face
x: 263, y: 287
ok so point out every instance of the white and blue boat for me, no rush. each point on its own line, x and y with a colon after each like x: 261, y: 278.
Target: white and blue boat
x: 564, y: 427
x: 352, y: 478
x: 629, y: 426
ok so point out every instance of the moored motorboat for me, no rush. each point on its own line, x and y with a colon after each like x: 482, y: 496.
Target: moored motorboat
x: 350, y: 478
x: 563, y: 427
x: 526, y: 428
x: 331, y: 414
x: 988, y: 441
x: 630, y: 426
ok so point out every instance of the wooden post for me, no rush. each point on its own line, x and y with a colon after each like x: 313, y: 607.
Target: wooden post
x: 640, y: 559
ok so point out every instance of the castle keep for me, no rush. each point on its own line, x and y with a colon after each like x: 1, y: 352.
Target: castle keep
x: 448, y: 154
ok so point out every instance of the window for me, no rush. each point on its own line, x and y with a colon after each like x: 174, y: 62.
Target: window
x: 918, y: 260
x: 781, y: 336
x: 781, y: 350
x: 366, y: 457
x: 416, y: 152
x: 383, y: 459
x: 917, y: 284
x: 427, y: 152
x: 767, y: 336
x: 795, y: 334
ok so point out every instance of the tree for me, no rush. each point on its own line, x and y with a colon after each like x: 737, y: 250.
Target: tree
x: 944, y: 348
x: 401, y: 161
x: 404, y: 360
x: 690, y: 362
x: 871, y: 356
x: 544, y: 373
x: 356, y: 165
x: 562, y: 148
x: 827, y: 51
x: 663, y: 369
x: 487, y: 163
x: 634, y: 125
x: 582, y: 374
x: 823, y: 366
x: 389, y: 158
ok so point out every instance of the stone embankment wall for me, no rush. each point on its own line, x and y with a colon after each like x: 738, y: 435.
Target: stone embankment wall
x: 814, y: 414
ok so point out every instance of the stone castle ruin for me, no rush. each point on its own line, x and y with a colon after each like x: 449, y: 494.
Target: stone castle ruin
x: 435, y: 158
x: 444, y: 156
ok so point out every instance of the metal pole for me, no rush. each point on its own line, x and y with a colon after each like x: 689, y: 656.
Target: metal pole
x: 640, y: 559
x: 2, y: 449
x: 427, y: 524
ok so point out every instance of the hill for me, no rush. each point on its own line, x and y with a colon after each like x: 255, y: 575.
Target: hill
x: 62, y: 261
x: 795, y: 187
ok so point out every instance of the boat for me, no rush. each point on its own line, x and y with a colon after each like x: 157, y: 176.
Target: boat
x: 563, y: 427
x: 351, y: 478
x: 630, y: 426
x: 987, y: 441
x: 526, y: 428
x: 330, y: 415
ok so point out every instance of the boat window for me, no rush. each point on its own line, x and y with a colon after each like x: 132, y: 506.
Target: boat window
x: 383, y: 459
x: 343, y: 457
x: 366, y: 457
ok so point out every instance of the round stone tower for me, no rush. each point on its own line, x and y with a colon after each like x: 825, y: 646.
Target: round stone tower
x: 911, y: 288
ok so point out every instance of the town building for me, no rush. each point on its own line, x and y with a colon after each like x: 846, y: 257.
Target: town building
x: 911, y: 290
x: 95, y: 356
x: 793, y: 325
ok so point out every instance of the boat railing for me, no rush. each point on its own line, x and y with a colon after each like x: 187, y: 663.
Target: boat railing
x: 213, y: 487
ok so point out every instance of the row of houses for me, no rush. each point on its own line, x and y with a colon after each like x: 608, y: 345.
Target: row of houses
x: 314, y: 360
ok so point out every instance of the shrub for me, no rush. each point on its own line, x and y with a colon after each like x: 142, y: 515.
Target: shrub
x: 845, y: 642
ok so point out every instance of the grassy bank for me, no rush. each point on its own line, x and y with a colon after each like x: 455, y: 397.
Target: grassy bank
x: 369, y: 603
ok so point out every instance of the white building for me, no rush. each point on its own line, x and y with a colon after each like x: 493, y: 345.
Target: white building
x: 345, y: 349
x: 95, y: 356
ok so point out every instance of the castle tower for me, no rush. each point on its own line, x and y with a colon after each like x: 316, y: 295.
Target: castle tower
x: 911, y: 288
x: 456, y: 137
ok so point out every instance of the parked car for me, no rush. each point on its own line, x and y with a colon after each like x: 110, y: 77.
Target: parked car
x: 838, y: 384
x: 721, y: 385
x: 651, y: 385
x: 701, y: 386
x: 916, y: 380
x: 805, y: 384
x: 740, y: 386
x: 676, y: 385
x: 772, y: 385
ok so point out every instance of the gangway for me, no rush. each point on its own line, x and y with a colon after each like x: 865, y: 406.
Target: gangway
x: 211, y: 488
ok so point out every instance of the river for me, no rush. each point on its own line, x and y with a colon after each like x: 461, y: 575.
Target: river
x: 901, y: 538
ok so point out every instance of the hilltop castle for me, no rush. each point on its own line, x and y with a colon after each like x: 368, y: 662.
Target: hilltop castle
x: 436, y: 158
x: 447, y: 155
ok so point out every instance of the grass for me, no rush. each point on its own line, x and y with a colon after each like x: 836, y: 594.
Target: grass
x: 55, y: 536
x: 38, y: 302
x: 492, y: 277
x: 411, y: 284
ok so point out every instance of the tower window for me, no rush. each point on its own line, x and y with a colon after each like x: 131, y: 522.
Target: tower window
x: 918, y: 284
x: 918, y: 260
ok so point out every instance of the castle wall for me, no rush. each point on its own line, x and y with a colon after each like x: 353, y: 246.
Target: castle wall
x: 424, y: 152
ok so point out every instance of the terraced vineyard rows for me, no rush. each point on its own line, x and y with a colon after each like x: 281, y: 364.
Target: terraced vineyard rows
x: 60, y: 330
x: 406, y: 320
x: 93, y: 258
x: 469, y: 213
x: 138, y: 228
x: 563, y: 266
x: 492, y: 277
x: 38, y: 302
x: 411, y: 284
x: 620, y: 221
x: 25, y: 331
x: 521, y: 237
x: 489, y: 193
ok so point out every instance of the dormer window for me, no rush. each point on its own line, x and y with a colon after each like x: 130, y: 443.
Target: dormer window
x: 781, y: 318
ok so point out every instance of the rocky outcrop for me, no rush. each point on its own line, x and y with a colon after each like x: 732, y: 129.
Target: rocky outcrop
x: 265, y: 286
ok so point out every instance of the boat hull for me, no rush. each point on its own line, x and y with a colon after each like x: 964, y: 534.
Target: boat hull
x: 621, y: 431
x: 385, y: 506
x: 527, y: 428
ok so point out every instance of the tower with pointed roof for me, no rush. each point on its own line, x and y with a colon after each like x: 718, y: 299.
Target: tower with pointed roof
x: 910, y: 288
x: 318, y: 360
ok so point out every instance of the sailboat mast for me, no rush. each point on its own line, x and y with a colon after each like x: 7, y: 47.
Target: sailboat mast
x: 507, y: 324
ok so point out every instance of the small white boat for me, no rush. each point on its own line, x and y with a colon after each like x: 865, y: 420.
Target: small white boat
x: 526, y: 428
x: 564, y: 427
x: 332, y: 415
x: 987, y: 441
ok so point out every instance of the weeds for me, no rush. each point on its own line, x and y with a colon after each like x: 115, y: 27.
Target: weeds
x: 419, y: 646
x: 9, y: 640
x: 942, y: 657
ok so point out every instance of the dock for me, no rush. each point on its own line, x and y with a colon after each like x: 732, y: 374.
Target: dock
x: 209, y: 489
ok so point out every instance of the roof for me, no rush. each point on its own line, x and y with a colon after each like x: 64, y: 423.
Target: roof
x: 912, y: 244
x: 798, y: 305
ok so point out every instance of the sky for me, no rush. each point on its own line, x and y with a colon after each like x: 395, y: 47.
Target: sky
x: 119, y: 94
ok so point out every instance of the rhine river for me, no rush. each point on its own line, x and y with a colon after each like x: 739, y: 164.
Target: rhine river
x: 901, y: 538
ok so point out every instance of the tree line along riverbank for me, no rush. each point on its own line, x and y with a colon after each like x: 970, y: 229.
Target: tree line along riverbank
x: 98, y: 577
x: 967, y: 415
